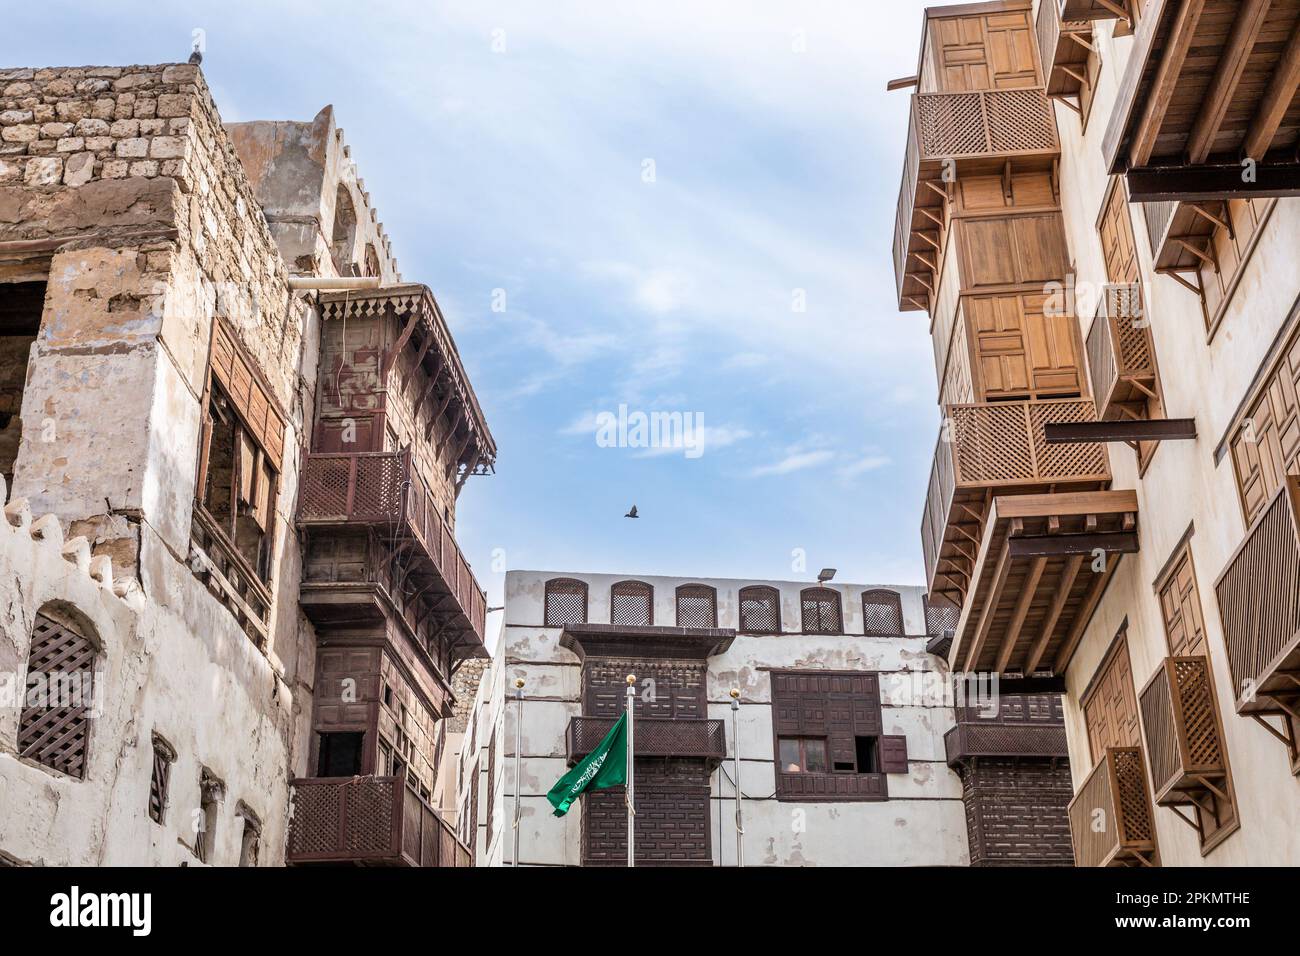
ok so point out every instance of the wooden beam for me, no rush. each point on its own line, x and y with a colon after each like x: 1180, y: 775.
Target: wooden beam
x: 1146, y: 429
x: 1027, y: 591
x: 1090, y: 601
x: 990, y: 606
x: 1063, y: 588
x: 1162, y: 91
x: 1040, y: 546
x: 390, y: 356
x: 1232, y: 66
x: 1276, y: 102
x: 902, y: 83
x: 1208, y: 183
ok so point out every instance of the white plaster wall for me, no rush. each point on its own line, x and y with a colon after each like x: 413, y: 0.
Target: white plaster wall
x: 925, y: 804
x: 1183, y: 485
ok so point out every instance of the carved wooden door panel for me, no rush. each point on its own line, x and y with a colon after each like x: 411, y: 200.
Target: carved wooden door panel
x: 1110, y: 710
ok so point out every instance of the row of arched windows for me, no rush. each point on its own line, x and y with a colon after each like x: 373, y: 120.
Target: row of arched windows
x: 631, y: 603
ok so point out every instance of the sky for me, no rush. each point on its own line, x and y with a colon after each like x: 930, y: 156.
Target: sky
x: 677, y: 207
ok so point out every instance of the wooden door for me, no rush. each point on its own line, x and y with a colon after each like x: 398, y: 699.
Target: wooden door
x: 1110, y: 707
x: 1021, y: 351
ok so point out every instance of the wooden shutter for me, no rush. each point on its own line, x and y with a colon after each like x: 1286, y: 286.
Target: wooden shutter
x: 55, y: 731
x: 1266, y: 443
x: 893, y: 753
x: 1116, y: 230
x: 1012, y: 250
x: 1021, y: 352
x: 1180, y: 605
x: 1110, y: 706
x: 234, y: 370
x: 982, y: 52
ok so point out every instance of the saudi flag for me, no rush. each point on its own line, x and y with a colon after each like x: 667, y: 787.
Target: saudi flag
x: 604, y: 767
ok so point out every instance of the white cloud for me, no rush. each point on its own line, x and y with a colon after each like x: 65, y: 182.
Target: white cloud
x: 862, y: 466
x: 798, y: 461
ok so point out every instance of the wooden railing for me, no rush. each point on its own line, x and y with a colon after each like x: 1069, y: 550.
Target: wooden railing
x: 946, y: 127
x: 1002, y: 445
x: 376, y: 820
x: 369, y: 488
x: 1110, y: 816
x: 1259, y: 602
x: 655, y: 737
x: 1121, y: 355
x: 1181, y: 725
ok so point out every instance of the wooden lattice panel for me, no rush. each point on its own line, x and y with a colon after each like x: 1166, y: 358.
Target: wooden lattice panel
x: 940, y: 616
x: 697, y: 606
x: 760, y: 610
x: 54, y: 730
x: 882, y: 613
x: 821, y: 611
x: 951, y: 124
x: 1065, y: 460
x: 1201, y: 727
x: 1132, y: 804
x: 566, y: 602
x: 631, y: 603
x: 992, y: 443
x: 1019, y: 121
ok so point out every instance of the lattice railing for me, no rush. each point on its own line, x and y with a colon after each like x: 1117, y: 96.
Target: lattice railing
x: 1259, y: 601
x: 1181, y: 725
x: 370, y: 488
x: 956, y: 125
x: 1120, y: 348
x: 1004, y: 442
x: 1110, y: 816
x: 653, y: 737
x: 991, y: 739
x: 368, y: 819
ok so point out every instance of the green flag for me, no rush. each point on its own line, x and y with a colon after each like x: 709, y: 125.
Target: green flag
x: 604, y: 767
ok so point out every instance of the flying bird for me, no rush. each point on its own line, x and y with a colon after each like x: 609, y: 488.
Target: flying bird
x: 632, y: 513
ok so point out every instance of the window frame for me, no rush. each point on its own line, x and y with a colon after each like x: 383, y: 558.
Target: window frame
x: 564, y: 586
x: 164, y: 756
x: 706, y: 591
x: 803, y: 611
x: 51, y: 618
x: 895, y: 602
x: 748, y: 593
x: 633, y: 588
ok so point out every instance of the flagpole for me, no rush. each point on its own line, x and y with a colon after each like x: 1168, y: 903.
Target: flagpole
x: 735, y: 743
x: 630, y: 787
x: 519, y: 722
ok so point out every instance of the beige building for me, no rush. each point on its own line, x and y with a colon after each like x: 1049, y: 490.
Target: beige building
x: 231, y: 444
x: 1094, y: 217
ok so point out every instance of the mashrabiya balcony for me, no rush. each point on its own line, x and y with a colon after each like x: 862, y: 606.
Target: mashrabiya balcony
x: 653, y: 737
x: 1259, y: 601
x: 1121, y: 355
x: 1110, y: 816
x: 380, y: 490
x: 952, y: 135
x: 375, y: 821
x: 989, y: 448
x: 1064, y: 47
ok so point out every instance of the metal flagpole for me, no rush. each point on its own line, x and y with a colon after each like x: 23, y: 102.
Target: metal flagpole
x: 631, y: 779
x: 735, y: 743
x: 519, y: 722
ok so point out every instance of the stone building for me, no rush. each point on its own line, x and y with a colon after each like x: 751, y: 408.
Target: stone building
x: 1094, y: 213
x: 231, y: 441
x: 847, y: 730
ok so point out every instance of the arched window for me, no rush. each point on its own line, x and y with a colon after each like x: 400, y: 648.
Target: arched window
x: 760, y: 610
x: 697, y: 606
x: 940, y: 616
x: 632, y: 603
x: 821, y: 611
x: 882, y: 613
x: 566, y: 602
x: 54, y: 728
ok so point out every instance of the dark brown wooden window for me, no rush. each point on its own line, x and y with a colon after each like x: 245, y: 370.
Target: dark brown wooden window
x: 697, y: 606
x: 940, y: 616
x: 760, y: 610
x: 882, y: 613
x: 491, y: 787
x: 822, y: 613
x: 211, y: 792
x: 54, y: 727
x: 632, y: 603
x: 566, y: 602
x: 829, y: 742
x: 163, y: 755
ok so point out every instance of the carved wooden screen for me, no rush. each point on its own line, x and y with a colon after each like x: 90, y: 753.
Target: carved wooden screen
x: 821, y: 611
x: 840, y: 709
x: 1266, y: 441
x: 982, y: 52
x: 1180, y: 605
x: 940, y: 616
x: 665, y: 688
x: 631, y: 603
x: 1116, y: 228
x: 1110, y: 705
x: 566, y: 602
x: 697, y: 606
x: 672, y: 817
x: 760, y: 610
x: 882, y: 613
x: 54, y: 727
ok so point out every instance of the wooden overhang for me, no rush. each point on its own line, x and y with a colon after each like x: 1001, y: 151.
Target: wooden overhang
x: 1207, y: 109
x: 1035, y: 587
x: 628, y: 640
x: 448, y: 393
x: 1064, y: 47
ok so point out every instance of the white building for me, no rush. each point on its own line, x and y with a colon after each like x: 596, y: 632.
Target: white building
x: 835, y: 679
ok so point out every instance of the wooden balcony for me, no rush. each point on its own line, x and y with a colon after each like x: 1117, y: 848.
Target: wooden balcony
x: 1091, y: 10
x: 1121, y: 355
x: 969, y: 740
x: 380, y: 492
x: 962, y: 134
x: 1259, y: 602
x: 1208, y: 83
x: 653, y: 737
x: 1110, y: 817
x: 996, y: 448
x: 1064, y: 47
x: 1038, y: 578
x: 370, y: 821
x: 1180, y: 722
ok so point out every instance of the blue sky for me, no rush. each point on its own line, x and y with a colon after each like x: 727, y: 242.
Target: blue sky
x: 776, y: 157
